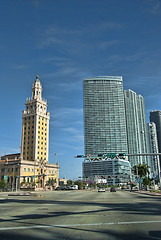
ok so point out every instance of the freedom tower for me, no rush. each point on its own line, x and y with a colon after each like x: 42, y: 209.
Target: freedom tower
x: 104, y: 116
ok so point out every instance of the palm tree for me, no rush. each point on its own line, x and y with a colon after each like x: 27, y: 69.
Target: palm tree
x: 141, y: 170
x: 146, y: 182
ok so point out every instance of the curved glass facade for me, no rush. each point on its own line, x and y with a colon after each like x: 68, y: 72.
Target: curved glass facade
x: 104, y: 116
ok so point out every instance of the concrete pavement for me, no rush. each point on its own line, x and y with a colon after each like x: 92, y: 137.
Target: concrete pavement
x: 80, y: 215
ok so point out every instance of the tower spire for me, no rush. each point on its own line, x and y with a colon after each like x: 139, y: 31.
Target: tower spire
x: 37, y: 89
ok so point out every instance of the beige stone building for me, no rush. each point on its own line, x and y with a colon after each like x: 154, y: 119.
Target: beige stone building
x: 62, y: 181
x: 30, y: 168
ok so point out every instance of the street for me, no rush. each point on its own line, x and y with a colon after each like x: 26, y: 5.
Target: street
x: 80, y: 215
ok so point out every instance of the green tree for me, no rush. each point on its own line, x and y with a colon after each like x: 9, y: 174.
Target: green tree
x: 69, y: 182
x: 3, y: 184
x: 93, y: 185
x: 79, y: 183
x: 142, y: 170
x: 146, y: 182
x: 101, y: 185
x: 84, y: 185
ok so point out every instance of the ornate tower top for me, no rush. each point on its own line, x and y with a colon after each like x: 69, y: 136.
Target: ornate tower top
x: 37, y: 89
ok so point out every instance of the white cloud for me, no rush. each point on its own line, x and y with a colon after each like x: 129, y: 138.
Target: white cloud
x: 36, y: 3
x: 9, y: 150
x: 73, y: 135
x: 72, y: 86
x: 20, y: 66
x: 54, y: 35
x: 56, y: 59
x: 106, y: 44
x: 73, y: 40
x: 72, y: 142
x: 67, y: 111
x: 75, y: 132
x: 111, y: 25
x: 64, y: 69
x: 129, y: 58
x: 154, y: 6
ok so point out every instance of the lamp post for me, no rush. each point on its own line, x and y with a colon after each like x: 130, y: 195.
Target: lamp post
x: 17, y: 177
x: 13, y: 175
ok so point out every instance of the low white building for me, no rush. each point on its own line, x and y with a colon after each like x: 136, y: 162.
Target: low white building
x: 114, y: 171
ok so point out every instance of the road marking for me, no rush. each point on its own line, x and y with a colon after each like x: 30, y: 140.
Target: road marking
x: 77, y: 225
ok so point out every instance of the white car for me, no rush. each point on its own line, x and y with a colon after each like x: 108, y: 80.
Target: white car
x: 101, y: 190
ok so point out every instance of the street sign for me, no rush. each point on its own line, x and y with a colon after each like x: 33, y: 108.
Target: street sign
x: 5, y: 177
x: 111, y: 155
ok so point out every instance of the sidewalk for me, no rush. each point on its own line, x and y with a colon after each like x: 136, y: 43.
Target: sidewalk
x: 147, y: 193
x: 18, y: 193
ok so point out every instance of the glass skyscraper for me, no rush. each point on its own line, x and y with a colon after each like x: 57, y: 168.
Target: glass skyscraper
x: 153, y: 144
x: 104, y: 116
x: 137, y: 134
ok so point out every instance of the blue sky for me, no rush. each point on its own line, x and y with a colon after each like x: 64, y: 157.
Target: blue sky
x: 65, y: 41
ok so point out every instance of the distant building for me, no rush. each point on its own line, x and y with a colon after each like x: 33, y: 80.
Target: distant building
x: 31, y: 167
x: 62, y: 181
x: 155, y: 116
x: 153, y: 144
x: 10, y: 170
x: 8, y: 157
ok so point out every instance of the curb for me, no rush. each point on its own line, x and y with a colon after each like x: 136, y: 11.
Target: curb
x: 153, y: 194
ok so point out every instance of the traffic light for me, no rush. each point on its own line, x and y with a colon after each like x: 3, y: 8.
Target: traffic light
x: 101, y: 155
x: 115, y: 176
x: 122, y: 154
x: 80, y: 156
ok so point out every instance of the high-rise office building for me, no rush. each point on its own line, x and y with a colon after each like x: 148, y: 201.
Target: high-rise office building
x: 104, y: 116
x: 155, y: 116
x: 137, y: 134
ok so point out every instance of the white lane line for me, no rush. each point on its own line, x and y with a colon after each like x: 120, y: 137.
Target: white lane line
x: 78, y: 225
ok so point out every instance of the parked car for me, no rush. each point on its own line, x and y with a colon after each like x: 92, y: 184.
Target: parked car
x: 112, y: 189
x: 74, y: 187
x: 101, y: 190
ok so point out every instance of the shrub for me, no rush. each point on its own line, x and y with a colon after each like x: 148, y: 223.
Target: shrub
x: 3, y: 184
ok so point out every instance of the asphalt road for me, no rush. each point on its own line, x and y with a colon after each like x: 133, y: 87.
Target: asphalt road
x: 80, y: 215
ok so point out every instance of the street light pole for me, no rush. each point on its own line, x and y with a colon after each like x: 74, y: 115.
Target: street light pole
x: 13, y: 178
x: 17, y: 177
